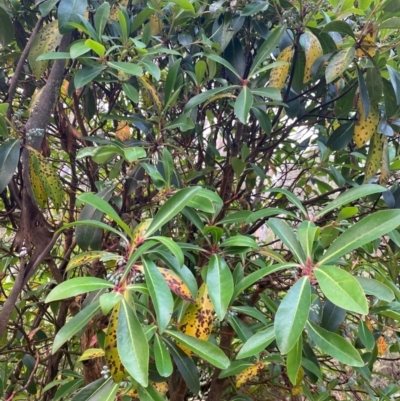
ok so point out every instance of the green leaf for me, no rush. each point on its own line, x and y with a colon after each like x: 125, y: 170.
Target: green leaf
x: 205, y: 349
x: 75, y: 324
x: 235, y: 368
x: 257, y: 343
x: 366, y: 337
x: 133, y: 95
x: 184, y: 5
x: 293, y: 361
x: 104, y: 390
x: 292, y: 314
x: 339, y: 63
x: 159, y: 292
x: 339, y: 26
x: 149, y: 394
x: 54, y: 56
x: 86, y: 75
x: 241, y: 241
x: 171, y: 208
x: 366, y: 230
x: 234, y: 218
x: 254, y: 8
x: 220, y: 285
x: 391, y: 23
x: 6, y: 28
x: 78, y: 48
x: 204, y: 96
x: 185, y: 365
x: 101, y: 18
x: 366, y: 104
x: 291, y: 197
x: 162, y: 357
x: 129, y: 68
x: 342, y: 289
x: 351, y: 195
x: 332, y: 316
x: 69, y: 11
x: 9, y: 156
x: 395, y: 80
x: 133, y: 154
x: 133, y: 348
x: 259, y: 274
x: 307, y: 233
x: 243, y: 104
x: 171, y: 79
x: 334, y: 345
x: 100, y: 204
x: 97, y: 47
x: 77, y: 286
x: 341, y: 136
x: 46, y: 7
x: 282, y: 230
x: 267, y: 48
x: 375, y: 288
x: 222, y: 61
x: 271, y: 211
x: 272, y: 93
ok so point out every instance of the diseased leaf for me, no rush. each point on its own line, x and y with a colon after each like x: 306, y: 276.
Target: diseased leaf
x: 339, y: 63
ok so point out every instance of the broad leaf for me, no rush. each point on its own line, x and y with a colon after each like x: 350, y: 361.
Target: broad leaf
x: 293, y: 361
x: 206, y: 350
x: 159, y: 292
x: 162, y: 357
x: 77, y: 286
x: 133, y: 348
x: 334, y: 345
x: 292, y: 314
x: 69, y: 11
x: 74, y: 325
x: 341, y: 288
x: 243, y: 104
x: 366, y: 230
x: 339, y: 63
x: 220, y: 285
x: 9, y: 156
x: 257, y: 343
x: 376, y: 288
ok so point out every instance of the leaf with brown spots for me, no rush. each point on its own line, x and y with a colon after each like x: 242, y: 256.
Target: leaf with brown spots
x: 279, y: 74
x: 198, y: 318
x: 338, y: 64
x: 374, y: 158
x: 381, y: 344
x: 313, y: 50
x: 249, y: 373
x: 48, y: 177
x: 174, y: 282
x: 47, y: 40
x: 365, y: 127
x: 86, y: 257
x: 91, y: 353
x: 114, y: 363
x: 38, y: 190
x: 139, y: 233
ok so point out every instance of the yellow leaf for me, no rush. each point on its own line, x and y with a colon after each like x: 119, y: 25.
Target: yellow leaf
x: 147, y: 86
x: 47, y: 40
x: 279, y: 74
x: 367, y: 45
x: 374, y: 158
x: 198, y: 318
x: 86, y: 257
x: 365, y: 127
x: 381, y: 345
x: 123, y: 132
x: 38, y: 190
x: 174, y: 282
x: 114, y: 363
x: 313, y: 50
x: 116, y: 7
x: 250, y: 373
x: 385, y: 168
x: 156, y: 25
x: 139, y: 233
x: 91, y: 353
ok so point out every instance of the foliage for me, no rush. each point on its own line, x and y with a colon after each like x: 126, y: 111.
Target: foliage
x: 199, y: 200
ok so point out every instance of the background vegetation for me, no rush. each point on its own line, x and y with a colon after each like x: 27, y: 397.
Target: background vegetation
x: 199, y: 200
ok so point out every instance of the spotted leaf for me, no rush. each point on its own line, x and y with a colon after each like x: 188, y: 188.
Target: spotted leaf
x: 113, y: 360
x: 279, y: 74
x: 47, y: 40
x: 365, y: 127
x: 198, y: 318
x: 38, y: 190
x: 338, y: 64
x: 375, y: 153
x: 86, y: 257
x: 313, y: 50
x: 174, y: 282
x: 91, y: 353
x: 249, y: 373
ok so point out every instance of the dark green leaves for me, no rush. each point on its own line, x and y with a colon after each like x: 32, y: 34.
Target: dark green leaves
x: 69, y: 11
x: 220, y: 285
x: 341, y: 136
x: 6, y: 29
x: 86, y: 75
x: 133, y: 348
x: 243, y: 104
x: 292, y: 314
x: 339, y: 63
x: 9, y: 156
x: 334, y: 345
x: 159, y: 292
x: 395, y: 80
x: 342, y: 289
